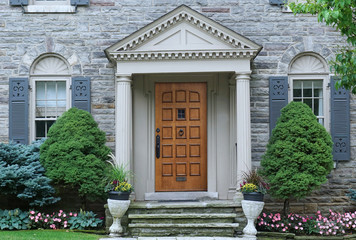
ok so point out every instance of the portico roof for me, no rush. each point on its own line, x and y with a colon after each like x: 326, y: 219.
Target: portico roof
x: 183, y: 34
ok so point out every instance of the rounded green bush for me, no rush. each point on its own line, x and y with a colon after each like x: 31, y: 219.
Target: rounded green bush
x: 299, y: 153
x: 74, y: 153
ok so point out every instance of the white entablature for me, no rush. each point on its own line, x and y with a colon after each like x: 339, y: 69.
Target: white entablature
x: 183, y: 34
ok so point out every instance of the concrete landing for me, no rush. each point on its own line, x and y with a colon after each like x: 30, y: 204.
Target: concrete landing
x: 180, y: 238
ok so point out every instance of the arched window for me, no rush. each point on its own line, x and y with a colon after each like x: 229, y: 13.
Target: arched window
x: 309, y: 83
x: 49, y: 94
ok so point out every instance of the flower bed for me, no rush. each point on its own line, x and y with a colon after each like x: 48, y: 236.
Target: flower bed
x: 333, y: 224
x: 22, y: 220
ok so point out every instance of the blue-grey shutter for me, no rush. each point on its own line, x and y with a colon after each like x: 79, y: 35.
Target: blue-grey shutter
x: 18, y: 2
x: 18, y: 110
x: 79, y: 2
x: 340, y: 122
x: 277, y: 2
x: 81, y: 93
x: 278, y: 98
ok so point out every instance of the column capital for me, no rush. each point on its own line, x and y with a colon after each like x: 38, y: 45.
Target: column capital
x: 123, y: 77
x: 242, y: 75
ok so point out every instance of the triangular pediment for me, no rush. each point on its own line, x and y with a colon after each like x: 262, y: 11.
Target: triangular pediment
x: 183, y: 32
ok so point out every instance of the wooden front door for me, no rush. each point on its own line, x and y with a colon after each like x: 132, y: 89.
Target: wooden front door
x: 181, y: 138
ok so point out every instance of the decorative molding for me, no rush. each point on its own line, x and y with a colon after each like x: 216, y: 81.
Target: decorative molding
x: 308, y: 64
x: 51, y: 65
x: 238, y: 46
x: 183, y: 55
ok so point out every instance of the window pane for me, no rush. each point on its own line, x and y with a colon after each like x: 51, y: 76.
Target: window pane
x: 297, y: 88
x: 40, y: 90
x: 308, y: 102
x: 40, y: 129
x: 61, y: 88
x: 307, y: 88
x: 318, y: 88
x: 318, y: 107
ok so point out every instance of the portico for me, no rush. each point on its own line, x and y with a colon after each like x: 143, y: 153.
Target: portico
x: 184, y: 47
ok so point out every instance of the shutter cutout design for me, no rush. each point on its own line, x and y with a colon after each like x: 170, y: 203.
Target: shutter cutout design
x: 18, y: 2
x: 18, y: 110
x: 278, y: 98
x: 340, y: 122
x: 81, y: 93
x: 79, y: 2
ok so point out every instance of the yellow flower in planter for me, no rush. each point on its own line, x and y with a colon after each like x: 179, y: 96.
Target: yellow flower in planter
x: 249, y: 187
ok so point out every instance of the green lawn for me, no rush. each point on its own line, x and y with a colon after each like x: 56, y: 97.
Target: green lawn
x: 47, y: 235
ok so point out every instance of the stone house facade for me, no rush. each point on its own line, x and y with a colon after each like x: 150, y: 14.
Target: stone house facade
x: 207, y: 77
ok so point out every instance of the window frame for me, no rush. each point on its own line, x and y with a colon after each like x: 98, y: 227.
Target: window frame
x: 326, y: 91
x: 32, y: 93
x: 35, y: 6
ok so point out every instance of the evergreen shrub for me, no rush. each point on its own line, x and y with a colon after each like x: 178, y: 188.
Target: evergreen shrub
x: 74, y: 154
x: 22, y: 175
x: 299, y: 154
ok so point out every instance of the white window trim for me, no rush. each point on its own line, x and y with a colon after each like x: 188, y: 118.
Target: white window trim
x: 35, y: 6
x: 326, y: 93
x: 32, y: 106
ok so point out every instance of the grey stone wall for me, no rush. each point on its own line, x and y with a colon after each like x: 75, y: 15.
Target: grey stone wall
x: 81, y: 38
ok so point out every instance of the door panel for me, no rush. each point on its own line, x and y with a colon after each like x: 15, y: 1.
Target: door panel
x: 181, y: 163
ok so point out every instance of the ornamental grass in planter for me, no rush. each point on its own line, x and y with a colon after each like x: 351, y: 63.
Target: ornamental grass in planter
x: 253, y: 186
x: 118, y: 187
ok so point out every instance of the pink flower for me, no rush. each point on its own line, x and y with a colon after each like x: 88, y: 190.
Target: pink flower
x: 39, y: 214
x: 31, y: 217
x: 64, y: 215
x: 46, y: 220
x: 32, y: 212
x: 70, y: 214
x: 75, y: 214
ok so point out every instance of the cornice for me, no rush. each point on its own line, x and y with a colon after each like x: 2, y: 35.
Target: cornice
x: 183, y: 55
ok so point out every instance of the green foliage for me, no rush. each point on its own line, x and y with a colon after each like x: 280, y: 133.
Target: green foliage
x: 299, y: 153
x: 13, y: 220
x: 22, y: 175
x: 340, y: 14
x: 118, y: 177
x: 85, y: 220
x: 74, y: 153
x: 352, y: 194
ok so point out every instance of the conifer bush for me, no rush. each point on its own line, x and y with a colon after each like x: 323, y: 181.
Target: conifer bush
x: 298, y: 156
x: 22, y: 175
x: 74, y: 154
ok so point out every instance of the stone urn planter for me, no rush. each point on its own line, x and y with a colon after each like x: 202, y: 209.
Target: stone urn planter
x: 117, y: 209
x: 252, y: 210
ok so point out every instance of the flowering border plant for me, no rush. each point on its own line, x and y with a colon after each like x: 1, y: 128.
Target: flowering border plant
x: 332, y: 224
x: 253, y: 182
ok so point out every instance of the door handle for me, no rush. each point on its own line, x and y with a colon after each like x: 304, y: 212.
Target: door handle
x: 158, y: 146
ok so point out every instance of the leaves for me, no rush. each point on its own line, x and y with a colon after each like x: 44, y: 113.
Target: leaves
x: 22, y: 175
x: 340, y: 14
x: 299, y: 153
x: 74, y: 153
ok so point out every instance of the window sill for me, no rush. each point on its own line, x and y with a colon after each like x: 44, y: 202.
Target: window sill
x: 50, y: 9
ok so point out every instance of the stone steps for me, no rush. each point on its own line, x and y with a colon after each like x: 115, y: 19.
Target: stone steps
x: 165, y: 219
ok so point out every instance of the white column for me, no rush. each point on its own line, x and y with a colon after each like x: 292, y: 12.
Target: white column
x: 243, y: 125
x: 123, y: 120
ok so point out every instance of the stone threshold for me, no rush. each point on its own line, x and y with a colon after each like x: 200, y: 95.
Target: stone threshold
x: 184, y: 204
x: 180, y: 196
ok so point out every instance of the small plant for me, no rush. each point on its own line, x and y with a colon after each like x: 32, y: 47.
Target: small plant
x: 118, y: 177
x: 14, y: 220
x: 84, y: 220
x: 253, y: 182
x: 352, y: 194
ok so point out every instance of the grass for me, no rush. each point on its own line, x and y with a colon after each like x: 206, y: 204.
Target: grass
x: 47, y: 235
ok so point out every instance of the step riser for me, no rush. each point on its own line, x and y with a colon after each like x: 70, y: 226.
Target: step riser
x: 182, y: 210
x: 166, y: 232
x: 152, y: 221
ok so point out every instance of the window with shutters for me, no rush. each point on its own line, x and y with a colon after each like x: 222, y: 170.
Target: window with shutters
x: 49, y: 94
x: 49, y: 6
x: 309, y: 83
